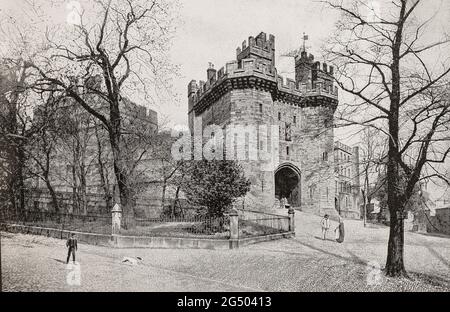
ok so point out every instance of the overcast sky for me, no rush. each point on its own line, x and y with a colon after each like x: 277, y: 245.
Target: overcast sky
x: 211, y: 30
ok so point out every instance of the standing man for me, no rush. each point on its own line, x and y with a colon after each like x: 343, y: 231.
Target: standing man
x: 72, y: 245
x: 325, y: 223
x: 283, y: 202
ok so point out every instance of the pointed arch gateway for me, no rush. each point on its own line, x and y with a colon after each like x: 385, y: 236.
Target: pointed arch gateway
x: 288, y: 183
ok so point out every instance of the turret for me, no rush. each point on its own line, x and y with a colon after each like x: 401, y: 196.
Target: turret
x: 192, y: 90
x: 303, y: 68
x: 308, y: 71
x: 258, y: 48
x: 211, y: 73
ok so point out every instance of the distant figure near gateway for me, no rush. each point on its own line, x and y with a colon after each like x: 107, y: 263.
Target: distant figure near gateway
x: 325, y: 223
x: 339, y: 230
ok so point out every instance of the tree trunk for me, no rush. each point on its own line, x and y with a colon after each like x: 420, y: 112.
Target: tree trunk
x: 103, y: 174
x: 75, y: 206
x: 394, y: 261
x: 122, y: 182
x: 394, y: 264
x: 83, y: 190
x: 106, y: 192
x: 177, y: 192
x: 52, y: 193
x: 364, y: 207
x: 12, y: 199
x: 20, y: 183
x: 163, y: 196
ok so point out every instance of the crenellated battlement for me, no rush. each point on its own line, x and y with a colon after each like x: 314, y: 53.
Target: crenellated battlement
x: 325, y: 68
x: 258, y: 47
x: 306, y: 69
x: 138, y: 111
x: 257, y: 70
x: 307, y: 89
x: 260, y: 42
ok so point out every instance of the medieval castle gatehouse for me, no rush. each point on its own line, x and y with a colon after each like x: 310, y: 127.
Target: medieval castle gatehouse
x: 248, y: 91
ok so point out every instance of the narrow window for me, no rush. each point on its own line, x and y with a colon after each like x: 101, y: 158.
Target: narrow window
x: 295, y: 120
x: 287, y: 150
x: 279, y: 116
x: 260, y: 108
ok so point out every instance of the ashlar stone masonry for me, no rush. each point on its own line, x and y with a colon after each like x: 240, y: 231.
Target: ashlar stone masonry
x: 248, y: 91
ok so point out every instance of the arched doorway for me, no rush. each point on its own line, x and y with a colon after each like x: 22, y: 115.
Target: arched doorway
x: 287, y: 184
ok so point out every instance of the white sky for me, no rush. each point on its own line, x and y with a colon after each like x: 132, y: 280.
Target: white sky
x: 211, y: 30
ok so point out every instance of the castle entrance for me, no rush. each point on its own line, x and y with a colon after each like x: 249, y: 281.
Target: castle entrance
x: 287, y: 184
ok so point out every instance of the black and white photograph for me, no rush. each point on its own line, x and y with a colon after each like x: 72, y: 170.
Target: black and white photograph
x: 224, y: 146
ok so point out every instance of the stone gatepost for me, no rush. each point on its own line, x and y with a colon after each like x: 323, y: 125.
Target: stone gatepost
x: 116, y: 219
x: 234, y: 228
x: 291, y: 213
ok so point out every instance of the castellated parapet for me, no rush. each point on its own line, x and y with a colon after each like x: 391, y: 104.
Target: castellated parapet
x: 257, y: 70
x: 249, y: 91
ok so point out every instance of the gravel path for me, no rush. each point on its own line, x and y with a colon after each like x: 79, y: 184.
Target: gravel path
x: 303, y: 263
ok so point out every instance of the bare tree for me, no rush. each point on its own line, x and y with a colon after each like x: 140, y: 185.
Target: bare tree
x: 373, y: 153
x: 74, y: 141
x: 41, y: 145
x: 14, y: 121
x: 397, y: 78
x: 125, y: 44
x: 103, y: 170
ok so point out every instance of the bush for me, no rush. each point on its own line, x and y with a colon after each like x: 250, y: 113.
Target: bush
x: 214, y: 184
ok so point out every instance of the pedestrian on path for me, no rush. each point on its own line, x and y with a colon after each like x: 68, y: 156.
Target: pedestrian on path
x: 283, y: 202
x: 339, y: 230
x: 325, y: 223
x: 73, y: 246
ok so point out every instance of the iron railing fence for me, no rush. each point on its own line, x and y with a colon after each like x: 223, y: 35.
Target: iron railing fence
x: 255, y: 223
x: 90, y: 223
x: 177, y: 226
x: 250, y: 222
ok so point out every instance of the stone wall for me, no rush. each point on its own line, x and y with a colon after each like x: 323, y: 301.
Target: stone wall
x: 249, y: 92
x: 311, y: 135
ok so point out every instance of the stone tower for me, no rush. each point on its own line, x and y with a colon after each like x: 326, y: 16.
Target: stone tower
x: 248, y: 93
